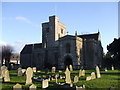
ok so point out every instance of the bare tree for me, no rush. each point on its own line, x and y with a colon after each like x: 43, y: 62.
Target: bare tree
x: 6, y: 53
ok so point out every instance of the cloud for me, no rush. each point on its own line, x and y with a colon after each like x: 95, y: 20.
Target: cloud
x: 23, y: 19
x: 2, y: 43
x: 26, y: 20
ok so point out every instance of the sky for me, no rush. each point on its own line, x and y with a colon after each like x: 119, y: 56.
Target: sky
x: 21, y: 21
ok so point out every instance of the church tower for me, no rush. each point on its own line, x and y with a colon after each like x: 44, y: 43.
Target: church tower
x: 52, y: 31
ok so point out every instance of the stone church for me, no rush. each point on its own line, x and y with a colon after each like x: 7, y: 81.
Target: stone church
x: 61, y: 50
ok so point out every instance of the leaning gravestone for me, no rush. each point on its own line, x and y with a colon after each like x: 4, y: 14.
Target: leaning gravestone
x: 44, y: 83
x: 19, y: 71
x: 7, y: 76
x: 53, y: 69
x: 71, y: 68
x: 32, y: 87
x: 34, y: 69
x: 76, y: 79
x: 98, y: 72
x: 17, y: 87
x: 88, y: 78
x: 93, y: 75
x: 67, y: 76
x: 29, y: 75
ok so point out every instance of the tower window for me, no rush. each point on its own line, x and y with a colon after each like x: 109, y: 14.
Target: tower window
x: 62, y: 31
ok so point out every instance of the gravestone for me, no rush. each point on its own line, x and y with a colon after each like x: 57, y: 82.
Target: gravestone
x: 81, y: 73
x: 23, y: 70
x: 3, y: 68
x: 17, y: 87
x: 88, y: 78
x: 44, y: 83
x: 113, y: 68
x: 106, y: 70
x: 32, y: 87
x: 19, y: 71
x: 29, y: 75
x: 67, y: 76
x: 7, y: 76
x: 53, y: 69
x: 76, y: 79
x: 98, y: 72
x: 71, y: 68
x: 34, y: 69
x: 93, y: 76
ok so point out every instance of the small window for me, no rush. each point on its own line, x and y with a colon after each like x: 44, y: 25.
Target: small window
x: 62, y: 31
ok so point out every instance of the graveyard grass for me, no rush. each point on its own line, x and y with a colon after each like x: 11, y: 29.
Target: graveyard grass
x: 108, y: 79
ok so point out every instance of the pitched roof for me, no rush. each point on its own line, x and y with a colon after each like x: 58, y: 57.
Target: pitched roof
x: 28, y: 48
x: 90, y: 36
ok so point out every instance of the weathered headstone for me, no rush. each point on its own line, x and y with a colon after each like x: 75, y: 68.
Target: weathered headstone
x: 67, y: 76
x: 23, y: 70
x: 106, y: 70
x: 53, y: 69
x: 81, y: 73
x: 7, y: 76
x: 3, y: 68
x: 88, y: 78
x: 76, y: 79
x: 19, y: 71
x: 93, y: 76
x: 29, y: 75
x: 71, y: 68
x: 113, y: 68
x: 17, y: 87
x: 44, y: 83
x: 32, y: 87
x: 98, y: 72
x: 34, y: 69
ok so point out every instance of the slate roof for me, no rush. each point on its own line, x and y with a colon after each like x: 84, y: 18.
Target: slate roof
x: 90, y: 36
x: 28, y: 48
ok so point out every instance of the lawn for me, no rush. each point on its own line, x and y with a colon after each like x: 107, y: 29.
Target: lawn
x: 108, y: 79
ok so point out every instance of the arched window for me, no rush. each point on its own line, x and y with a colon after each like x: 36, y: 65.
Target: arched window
x: 67, y: 48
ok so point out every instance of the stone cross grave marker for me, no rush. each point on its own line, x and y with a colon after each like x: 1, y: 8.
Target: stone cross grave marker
x: 88, y: 78
x: 32, y: 87
x: 19, y: 71
x: 93, y: 76
x: 98, y: 72
x: 44, y: 83
x: 34, y: 69
x: 53, y: 69
x: 67, y: 76
x: 71, y: 68
x: 17, y: 87
x: 7, y: 76
x: 29, y: 75
x: 76, y: 79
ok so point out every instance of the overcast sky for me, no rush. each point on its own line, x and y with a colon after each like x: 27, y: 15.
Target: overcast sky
x: 21, y: 22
